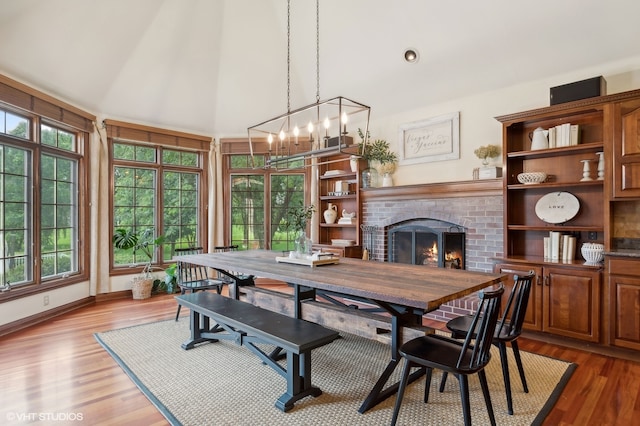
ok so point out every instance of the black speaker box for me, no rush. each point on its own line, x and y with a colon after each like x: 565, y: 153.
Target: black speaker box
x: 589, y: 88
x: 345, y: 140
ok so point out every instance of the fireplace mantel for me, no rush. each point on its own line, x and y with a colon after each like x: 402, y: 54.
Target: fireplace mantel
x: 469, y: 188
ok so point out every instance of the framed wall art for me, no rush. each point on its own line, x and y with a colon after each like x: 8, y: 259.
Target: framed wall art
x: 435, y: 139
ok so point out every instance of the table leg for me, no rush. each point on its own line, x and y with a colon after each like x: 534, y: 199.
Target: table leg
x: 379, y: 393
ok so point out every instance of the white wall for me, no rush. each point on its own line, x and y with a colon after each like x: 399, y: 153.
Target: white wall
x: 24, y: 307
x: 477, y: 124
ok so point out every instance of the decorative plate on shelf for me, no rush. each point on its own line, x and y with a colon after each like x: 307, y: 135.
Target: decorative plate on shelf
x: 557, y: 207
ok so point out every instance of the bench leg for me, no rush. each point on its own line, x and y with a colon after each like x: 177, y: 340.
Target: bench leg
x: 298, y: 381
x: 196, y: 330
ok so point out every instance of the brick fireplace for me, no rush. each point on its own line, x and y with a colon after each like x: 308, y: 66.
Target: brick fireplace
x: 426, y: 242
x: 473, y: 207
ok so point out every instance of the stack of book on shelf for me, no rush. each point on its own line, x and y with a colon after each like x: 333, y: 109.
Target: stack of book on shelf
x: 558, y: 246
x: 564, y: 135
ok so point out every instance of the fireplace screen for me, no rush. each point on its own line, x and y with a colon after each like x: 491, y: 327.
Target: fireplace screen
x: 418, y: 245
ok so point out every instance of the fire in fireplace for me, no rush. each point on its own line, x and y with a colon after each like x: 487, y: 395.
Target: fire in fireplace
x: 423, y: 245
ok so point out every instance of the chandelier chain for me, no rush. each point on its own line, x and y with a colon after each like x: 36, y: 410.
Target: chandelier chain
x: 317, y: 51
x: 288, y: 56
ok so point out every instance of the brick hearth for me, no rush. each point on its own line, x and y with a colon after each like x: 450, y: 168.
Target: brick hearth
x: 475, y: 206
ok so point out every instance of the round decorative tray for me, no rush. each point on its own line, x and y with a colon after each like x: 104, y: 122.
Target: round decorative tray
x: 530, y: 178
x: 557, y: 207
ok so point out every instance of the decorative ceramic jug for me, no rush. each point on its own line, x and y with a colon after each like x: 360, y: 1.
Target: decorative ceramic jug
x: 539, y: 139
x: 331, y: 213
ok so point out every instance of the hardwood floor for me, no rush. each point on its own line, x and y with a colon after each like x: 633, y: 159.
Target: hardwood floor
x: 57, y: 370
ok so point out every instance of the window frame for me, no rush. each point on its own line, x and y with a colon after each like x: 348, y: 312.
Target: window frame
x: 34, y: 145
x: 232, y: 147
x: 160, y: 168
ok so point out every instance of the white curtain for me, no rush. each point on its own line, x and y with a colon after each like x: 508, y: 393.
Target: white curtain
x: 215, y: 207
x: 99, y: 212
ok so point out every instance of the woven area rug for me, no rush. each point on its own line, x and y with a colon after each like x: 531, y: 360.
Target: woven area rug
x: 225, y: 384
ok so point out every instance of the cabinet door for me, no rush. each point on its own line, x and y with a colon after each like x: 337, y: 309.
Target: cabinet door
x: 533, y: 318
x: 625, y: 311
x: 571, y: 300
x: 626, y: 140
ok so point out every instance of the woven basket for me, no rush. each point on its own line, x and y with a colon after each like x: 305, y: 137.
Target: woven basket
x: 141, y: 288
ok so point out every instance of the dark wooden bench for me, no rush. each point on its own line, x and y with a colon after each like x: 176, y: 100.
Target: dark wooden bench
x: 248, y: 325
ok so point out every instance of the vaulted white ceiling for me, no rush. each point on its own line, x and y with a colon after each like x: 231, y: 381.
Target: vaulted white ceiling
x: 215, y: 67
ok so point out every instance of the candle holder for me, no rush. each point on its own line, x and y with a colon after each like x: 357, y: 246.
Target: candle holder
x: 586, y: 170
x: 600, y: 165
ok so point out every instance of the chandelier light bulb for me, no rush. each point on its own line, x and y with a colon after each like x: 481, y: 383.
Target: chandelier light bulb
x: 296, y: 132
x: 282, y: 135
x: 344, y: 119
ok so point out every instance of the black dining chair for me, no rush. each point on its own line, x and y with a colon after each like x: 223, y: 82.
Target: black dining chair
x: 233, y: 279
x: 508, y: 330
x: 191, y: 277
x: 458, y: 358
x: 221, y: 249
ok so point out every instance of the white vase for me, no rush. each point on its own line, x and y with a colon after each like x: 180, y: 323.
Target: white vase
x: 353, y: 163
x: 387, y: 180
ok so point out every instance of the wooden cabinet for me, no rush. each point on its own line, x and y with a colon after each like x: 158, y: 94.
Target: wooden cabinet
x: 340, y: 187
x: 626, y: 146
x: 533, y: 317
x: 624, y: 295
x: 563, y: 301
x: 566, y: 296
x: 524, y: 230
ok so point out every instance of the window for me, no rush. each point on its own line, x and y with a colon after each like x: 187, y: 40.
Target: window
x: 58, y: 218
x: 260, y: 202
x: 39, y: 231
x: 159, y: 189
x: 16, y: 202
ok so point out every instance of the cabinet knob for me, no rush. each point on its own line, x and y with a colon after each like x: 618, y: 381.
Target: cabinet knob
x: 546, y: 280
x: 538, y: 280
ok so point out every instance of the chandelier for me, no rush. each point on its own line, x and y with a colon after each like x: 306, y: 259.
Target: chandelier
x: 312, y: 131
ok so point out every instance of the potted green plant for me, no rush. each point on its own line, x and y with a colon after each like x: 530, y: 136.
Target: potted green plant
x: 377, y: 151
x: 297, y: 221
x: 171, y: 278
x: 146, y: 242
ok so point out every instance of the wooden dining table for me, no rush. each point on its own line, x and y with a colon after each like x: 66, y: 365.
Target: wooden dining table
x: 405, y: 292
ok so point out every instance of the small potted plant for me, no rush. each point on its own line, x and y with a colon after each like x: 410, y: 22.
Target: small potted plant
x: 170, y: 279
x: 297, y: 221
x: 380, y: 152
x: 486, y: 152
x: 146, y: 242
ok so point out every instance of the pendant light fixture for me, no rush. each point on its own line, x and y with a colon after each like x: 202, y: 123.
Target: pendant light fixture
x: 312, y: 131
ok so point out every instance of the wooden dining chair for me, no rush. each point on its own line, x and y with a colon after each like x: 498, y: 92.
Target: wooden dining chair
x: 508, y: 330
x: 453, y: 356
x: 192, y: 277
